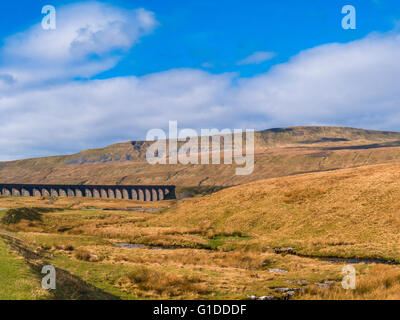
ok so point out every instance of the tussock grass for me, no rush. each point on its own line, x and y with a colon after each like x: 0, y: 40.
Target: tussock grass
x: 163, y: 283
x: 191, y: 257
x: 347, y: 213
x: 82, y: 254
x: 379, y: 283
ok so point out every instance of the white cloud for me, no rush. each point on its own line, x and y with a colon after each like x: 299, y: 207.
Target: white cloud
x: 90, y: 37
x: 78, y: 115
x: 257, y: 58
x: 354, y: 84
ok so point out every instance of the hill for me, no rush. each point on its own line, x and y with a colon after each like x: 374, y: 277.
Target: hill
x: 286, y: 237
x: 344, y: 213
x: 278, y: 152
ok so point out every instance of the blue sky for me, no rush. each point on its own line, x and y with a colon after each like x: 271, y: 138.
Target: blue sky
x: 220, y: 33
x: 237, y: 64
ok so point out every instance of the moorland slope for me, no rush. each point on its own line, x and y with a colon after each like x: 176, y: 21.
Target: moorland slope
x: 278, y: 152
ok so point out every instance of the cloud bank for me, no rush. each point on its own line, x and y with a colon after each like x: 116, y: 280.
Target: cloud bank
x: 48, y: 112
x: 90, y: 38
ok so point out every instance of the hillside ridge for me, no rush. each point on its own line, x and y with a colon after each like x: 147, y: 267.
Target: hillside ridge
x: 278, y: 152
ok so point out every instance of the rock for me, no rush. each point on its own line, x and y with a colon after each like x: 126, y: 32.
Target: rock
x: 325, y: 285
x: 267, y: 298
x: 287, y: 293
x: 301, y: 282
x: 262, y: 298
x: 283, y: 290
x: 276, y: 270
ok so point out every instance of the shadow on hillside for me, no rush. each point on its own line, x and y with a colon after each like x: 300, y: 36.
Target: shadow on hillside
x: 365, y: 147
x: 69, y: 286
x: 325, y: 140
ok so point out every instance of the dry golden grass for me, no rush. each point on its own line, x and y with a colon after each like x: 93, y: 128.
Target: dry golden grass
x: 236, y: 274
x: 82, y: 254
x: 350, y: 212
x: 379, y: 283
x: 79, y: 203
x: 346, y: 213
x: 143, y: 280
x: 191, y: 257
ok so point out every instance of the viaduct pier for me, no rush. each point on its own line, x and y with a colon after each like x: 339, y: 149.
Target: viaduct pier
x: 141, y: 193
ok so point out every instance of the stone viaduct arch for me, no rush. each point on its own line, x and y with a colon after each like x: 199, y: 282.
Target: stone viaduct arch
x: 5, y: 192
x: 141, y: 193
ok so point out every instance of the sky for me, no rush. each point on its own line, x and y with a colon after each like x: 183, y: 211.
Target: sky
x: 113, y: 70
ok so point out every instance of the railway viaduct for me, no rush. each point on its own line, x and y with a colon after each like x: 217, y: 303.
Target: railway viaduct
x: 142, y: 193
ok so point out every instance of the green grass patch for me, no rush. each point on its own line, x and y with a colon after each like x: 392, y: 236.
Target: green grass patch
x: 101, y: 275
x: 17, y: 280
x: 219, y: 241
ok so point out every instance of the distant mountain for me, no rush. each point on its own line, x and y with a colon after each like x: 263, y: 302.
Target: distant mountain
x: 278, y: 152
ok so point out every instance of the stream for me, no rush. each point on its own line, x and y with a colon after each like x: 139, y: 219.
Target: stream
x: 135, y: 246
x: 356, y: 260
x: 291, y: 251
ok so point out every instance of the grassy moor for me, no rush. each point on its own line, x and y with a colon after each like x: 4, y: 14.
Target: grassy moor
x: 285, y: 237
